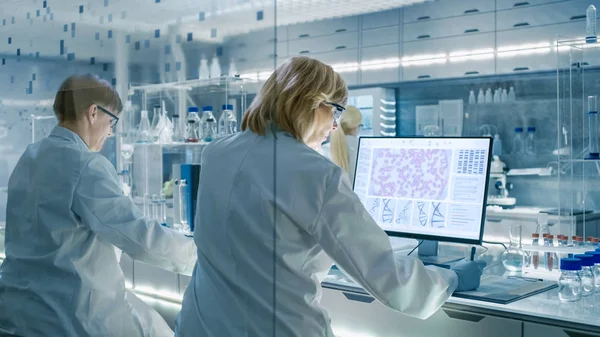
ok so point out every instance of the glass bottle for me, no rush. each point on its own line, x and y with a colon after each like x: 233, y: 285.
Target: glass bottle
x: 511, y: 94
x: 569, y: 283
x: 154, y: 126
x: 512, y: 258
x: 586, y: 274
x: 178, y: 135
x: 143, y: 133
x: 209, y: 128
x: 530, y: 140
x: 596, y: 270
x: 518, y: 141
x: 192, y: 132
x: 193, y: 116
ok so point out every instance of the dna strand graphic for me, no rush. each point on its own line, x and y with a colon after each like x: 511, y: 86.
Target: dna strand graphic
x: 388, y: 214
x: 374, y: 207
x: 422, y: 214
x: 404, y: 213
x: 437, y: 218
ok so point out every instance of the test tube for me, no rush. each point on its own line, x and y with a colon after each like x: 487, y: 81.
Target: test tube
x: 155, y: 207
x: 183, y: 205
x: 550, y: 255
x: 147, y: 206
x: 594, y: 152
x: 163, y: 209
x: 535, y: 254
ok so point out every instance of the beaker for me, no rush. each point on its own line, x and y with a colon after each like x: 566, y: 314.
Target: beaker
x: 183, y: 207
x: 594, y: 152
x: 512, y: 258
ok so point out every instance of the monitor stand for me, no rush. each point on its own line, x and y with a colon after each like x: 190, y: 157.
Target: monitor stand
x: 428, y: 254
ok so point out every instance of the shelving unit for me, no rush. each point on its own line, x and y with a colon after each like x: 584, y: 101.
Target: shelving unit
x: 150, y: 161
x: 573, y: 184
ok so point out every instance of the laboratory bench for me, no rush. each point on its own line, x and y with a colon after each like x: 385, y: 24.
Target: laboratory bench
x: 354, y: 312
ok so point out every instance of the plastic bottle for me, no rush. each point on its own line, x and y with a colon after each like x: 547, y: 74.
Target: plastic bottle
x: 203, y: 71
x: 569, y: 283
x: 586, y: 274
x: 511, y: 94
x: 232, y: 69
x: 518, y: 142
x: 497, y: 96
x: 590, y: 25
x: 530, y: 140
x: 504, y: 96
x: 143, y: 134
x: 480, y: 97
x: 472, y: 97
x: 488, y: 96
x: 215, y: 68
x: 497, y: 145
x: 208, y: 122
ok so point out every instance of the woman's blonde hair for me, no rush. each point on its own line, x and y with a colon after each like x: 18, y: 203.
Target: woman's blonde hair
x: 289, y: 97
x: 349, y: 121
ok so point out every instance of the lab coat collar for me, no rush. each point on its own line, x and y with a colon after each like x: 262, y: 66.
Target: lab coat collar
x: 67, y: 134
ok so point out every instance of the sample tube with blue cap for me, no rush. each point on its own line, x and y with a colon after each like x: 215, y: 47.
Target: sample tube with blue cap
x: 586, y: 273
x: 590, y: 25
x: 594, y: 152
x: 569, y: 283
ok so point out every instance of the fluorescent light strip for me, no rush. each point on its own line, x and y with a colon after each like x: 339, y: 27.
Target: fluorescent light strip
x: 387, y: 102
x: 387, y: 118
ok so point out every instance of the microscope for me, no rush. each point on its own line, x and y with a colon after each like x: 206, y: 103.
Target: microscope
x: 498, y: 175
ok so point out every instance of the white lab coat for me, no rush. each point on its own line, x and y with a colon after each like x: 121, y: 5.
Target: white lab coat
x: 65, y: 215
x: 273, y: 215
x: 352, y: 142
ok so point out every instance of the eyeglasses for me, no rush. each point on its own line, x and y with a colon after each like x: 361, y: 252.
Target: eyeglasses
x: 339, y: 109
x: 114, y: 120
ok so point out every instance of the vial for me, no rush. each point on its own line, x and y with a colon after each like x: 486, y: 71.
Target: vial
x: 594, y: 152
x: 569, y: 283
x: 550, y: 255
x: 535, y: 255
x: 596, y: 256
x: 586, y: 274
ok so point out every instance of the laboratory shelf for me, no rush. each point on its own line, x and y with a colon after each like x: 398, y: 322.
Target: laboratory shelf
x: 209, y: 85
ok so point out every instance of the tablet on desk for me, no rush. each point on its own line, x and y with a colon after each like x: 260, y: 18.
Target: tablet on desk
x: 505, y: 290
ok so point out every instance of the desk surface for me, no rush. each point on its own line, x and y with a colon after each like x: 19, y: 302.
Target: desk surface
x: 543, y: 308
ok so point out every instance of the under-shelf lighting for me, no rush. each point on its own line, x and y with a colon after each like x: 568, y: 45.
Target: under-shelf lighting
x: 377, y: 64
x: 471, y: 55
x: 425, y: 59
x: 345, y: 67
x: 524, y: 49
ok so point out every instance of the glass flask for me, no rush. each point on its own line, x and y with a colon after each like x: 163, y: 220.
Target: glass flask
x: 512, y: 258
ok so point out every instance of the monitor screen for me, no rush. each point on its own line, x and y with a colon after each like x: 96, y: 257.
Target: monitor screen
x: 425, y: 188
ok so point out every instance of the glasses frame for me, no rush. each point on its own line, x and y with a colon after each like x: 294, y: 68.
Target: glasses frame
x: 114, y: 120
x: 339, y: 109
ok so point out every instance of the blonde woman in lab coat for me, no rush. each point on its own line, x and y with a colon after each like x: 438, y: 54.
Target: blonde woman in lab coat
x: 343, y: 145
x: 274, y: 215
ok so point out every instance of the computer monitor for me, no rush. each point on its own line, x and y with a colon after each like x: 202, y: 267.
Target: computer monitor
x: 432, y: 189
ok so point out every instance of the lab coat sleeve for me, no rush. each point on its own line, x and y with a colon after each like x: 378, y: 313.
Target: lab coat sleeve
x: 363, y: 251
x: 100, y: 204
